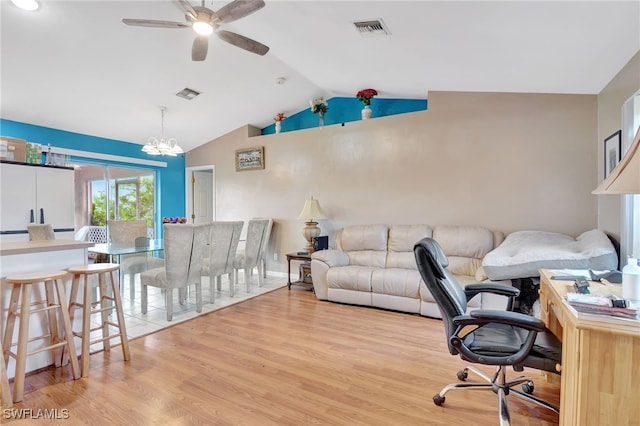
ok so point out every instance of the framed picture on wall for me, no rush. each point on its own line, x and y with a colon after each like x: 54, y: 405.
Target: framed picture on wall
x: 612, y: 152
x: 250, y: 158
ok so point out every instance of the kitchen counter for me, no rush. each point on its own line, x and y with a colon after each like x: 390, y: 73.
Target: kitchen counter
x: 26, y: 247
x: 19, y: 257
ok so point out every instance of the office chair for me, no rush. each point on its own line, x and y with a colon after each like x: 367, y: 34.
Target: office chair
x: 490, y: 337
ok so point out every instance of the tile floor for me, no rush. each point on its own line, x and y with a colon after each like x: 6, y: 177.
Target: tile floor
x: 139, y: 324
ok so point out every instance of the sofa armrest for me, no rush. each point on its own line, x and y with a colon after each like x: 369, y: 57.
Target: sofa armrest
x: 332, y: 258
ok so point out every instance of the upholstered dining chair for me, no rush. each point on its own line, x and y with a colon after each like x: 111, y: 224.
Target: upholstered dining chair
x: 222, y: 247
x: 183, y: 252
x: 250, y: 257
x: 497, y: 338
x: 263, y: 251
x: 132, y: 233
x: 40, y: 232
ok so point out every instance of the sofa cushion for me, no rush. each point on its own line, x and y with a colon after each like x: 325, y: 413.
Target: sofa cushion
x: 396, y: 282
x: 366, y: 245
x: 464, y: 241
x: 402, y: 238
x: 351, y: 277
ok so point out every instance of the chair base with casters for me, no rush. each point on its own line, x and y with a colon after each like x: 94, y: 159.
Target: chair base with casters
x: 500, y: 339
x: 108, y: 301
x: 499, y: 385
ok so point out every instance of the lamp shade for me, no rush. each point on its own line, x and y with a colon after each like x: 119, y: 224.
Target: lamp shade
x: 311, y: 210
x: 625, y: 177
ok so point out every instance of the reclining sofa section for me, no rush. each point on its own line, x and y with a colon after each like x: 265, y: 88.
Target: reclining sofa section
x: 374, y: 265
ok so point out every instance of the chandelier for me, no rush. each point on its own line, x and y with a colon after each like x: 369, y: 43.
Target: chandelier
x: 162, y: 146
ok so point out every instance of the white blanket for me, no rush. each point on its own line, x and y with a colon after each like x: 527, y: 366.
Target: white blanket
x: 524, y: 253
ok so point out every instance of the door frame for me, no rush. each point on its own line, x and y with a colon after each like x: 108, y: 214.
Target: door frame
x: 189, y: 189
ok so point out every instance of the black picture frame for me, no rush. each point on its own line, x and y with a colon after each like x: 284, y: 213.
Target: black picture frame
x: 612, y: 152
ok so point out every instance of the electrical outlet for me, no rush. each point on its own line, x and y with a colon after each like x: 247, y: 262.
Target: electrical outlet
x: 275, y: 257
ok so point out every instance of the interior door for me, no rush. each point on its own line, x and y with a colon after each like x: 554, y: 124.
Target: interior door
x: 202, y: 181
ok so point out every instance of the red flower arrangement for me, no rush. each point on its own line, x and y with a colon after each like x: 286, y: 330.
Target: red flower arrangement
x: 279, y: 117
x: 365, y: 96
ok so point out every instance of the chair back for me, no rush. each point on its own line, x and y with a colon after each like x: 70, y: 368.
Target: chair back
x: 444, y: 287
x: 41, y: 232
x: 223, y: 244
x: 178, y: 247
x: 125, y: 232
x: 254, y: 244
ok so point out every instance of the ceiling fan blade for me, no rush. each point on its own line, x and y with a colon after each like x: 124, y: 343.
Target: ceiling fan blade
x: 200, y: 48
x: 243, y: 42
x: 188, y: 9
x: 155, y: 24
x: 238, y: 9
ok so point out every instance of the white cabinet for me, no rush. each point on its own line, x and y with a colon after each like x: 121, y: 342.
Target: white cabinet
x: 32, y: 192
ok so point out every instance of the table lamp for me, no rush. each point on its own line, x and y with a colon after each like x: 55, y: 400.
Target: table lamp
x: 311, y: 211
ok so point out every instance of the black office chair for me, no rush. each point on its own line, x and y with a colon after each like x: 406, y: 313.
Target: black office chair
x: 490, y: 337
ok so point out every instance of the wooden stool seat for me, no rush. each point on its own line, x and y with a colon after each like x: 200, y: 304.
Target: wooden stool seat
x: 108, y: 301
x: 21, y: 307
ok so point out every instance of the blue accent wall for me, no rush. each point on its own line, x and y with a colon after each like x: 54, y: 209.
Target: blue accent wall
x: 344, y: 110
x: 170, y: 179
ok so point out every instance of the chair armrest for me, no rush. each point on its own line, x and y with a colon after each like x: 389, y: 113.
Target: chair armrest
x: 511, y: 318
x: 331, y: 257
x: 472, y: 290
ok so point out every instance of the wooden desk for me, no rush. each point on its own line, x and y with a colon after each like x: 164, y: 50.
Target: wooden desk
x: 600, y: 380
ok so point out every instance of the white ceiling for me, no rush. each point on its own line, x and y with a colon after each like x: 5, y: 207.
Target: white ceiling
x: 73, y: 65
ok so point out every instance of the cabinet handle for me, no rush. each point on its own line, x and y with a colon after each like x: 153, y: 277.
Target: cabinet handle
x: 41, y: 215
x: 32, y: 218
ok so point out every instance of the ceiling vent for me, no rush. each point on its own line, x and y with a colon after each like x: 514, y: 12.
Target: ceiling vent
x: 371, y: 28
x: 187, y: 93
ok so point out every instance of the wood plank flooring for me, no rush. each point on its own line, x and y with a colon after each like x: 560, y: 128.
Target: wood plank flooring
x: 283, y: 358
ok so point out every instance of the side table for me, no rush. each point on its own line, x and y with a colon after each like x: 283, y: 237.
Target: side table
x: 305, y: 258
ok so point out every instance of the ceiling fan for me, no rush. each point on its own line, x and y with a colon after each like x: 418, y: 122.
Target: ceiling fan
x: 205, y: 21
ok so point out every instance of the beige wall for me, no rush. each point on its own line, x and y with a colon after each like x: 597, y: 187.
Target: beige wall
x: 504, y: 161
x: 610, y: 101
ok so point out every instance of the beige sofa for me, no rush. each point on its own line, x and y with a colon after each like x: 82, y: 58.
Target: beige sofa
x: 374, y: 265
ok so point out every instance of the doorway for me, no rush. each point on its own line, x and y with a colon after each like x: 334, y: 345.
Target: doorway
x: 200, y: 192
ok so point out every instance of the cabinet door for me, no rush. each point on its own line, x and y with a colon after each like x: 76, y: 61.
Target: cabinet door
x: 55, y: 195
x: 17, y: 186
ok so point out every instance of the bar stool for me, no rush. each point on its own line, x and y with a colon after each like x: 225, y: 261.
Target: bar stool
x: 20, y: 306
x: 6, y: 400
x: 109, y: 300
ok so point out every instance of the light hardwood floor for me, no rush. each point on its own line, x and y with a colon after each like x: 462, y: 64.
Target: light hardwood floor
x: 283, y: 358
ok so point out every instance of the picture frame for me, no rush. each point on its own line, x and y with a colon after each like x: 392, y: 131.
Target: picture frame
x: 250, y: 158
x: 612, y: 152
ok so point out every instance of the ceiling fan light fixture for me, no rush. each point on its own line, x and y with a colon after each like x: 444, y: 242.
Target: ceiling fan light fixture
x: 203, y: 28
x: 29, y: 5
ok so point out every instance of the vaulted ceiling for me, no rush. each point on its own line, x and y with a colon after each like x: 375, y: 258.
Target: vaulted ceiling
x: 73, y: 65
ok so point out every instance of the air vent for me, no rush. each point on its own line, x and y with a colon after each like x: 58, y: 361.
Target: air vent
x: 371, y: 28
x: 187, y: 93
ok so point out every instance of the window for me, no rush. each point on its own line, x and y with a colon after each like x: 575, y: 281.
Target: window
x: 630, y: 244
x: 112, y: 192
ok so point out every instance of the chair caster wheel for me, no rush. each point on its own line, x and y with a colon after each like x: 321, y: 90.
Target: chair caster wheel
x: 462, y: 375
x: 528, y: 387
x: 438, y: 400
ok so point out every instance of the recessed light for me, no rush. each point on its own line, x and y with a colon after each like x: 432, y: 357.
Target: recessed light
x: 29, y: 5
